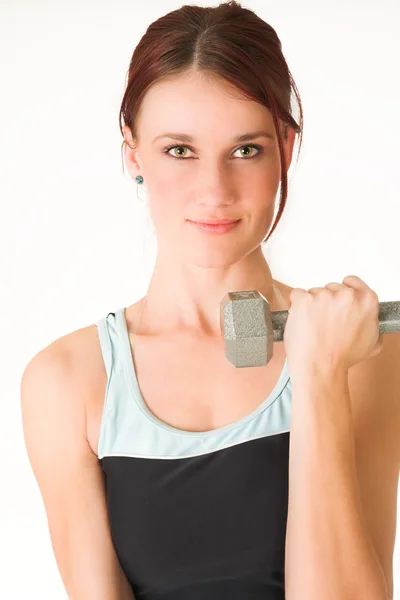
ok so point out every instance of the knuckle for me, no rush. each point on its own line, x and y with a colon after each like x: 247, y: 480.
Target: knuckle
x: 373, y: 300
x: 323, y: 294
x: 374, y: 296
x: 348, y: 292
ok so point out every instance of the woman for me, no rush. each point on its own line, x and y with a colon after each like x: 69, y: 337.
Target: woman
x: 163, y: 469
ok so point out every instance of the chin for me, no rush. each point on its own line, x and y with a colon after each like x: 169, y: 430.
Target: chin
x: 212, y: 256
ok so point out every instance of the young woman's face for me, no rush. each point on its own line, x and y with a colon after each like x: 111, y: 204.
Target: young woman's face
x: 212, y: 176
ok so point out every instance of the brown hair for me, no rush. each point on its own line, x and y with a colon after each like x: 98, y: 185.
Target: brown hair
x: 228, y: 41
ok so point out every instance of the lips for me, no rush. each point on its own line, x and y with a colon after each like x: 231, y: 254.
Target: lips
x: 215, y: 221
x: 215, y: 227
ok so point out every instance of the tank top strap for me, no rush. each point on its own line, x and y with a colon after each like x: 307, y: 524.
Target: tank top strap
x: 103, y: 329
x: 109, y: 337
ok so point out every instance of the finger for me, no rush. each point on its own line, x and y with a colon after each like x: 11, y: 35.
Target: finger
x: 367, y: 293
x: 315, y: 290
x: 355, y: 282
x: 334, y: 286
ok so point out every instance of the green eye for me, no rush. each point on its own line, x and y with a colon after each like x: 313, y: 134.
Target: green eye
x: 254, y: 146
x: 173, y: 148
x: 250, y: 146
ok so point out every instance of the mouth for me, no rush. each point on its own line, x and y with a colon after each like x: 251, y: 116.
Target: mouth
x: 223, y: 226
x: 214, y: 221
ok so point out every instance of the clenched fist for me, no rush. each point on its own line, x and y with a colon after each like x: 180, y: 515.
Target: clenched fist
x: 333, y: 327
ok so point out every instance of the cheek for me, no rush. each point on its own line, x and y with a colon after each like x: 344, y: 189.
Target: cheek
x: 272, y: 175
x: 169, y: 197
x: 262, y: 182
x: 166, y: 208
x: 260, y: 195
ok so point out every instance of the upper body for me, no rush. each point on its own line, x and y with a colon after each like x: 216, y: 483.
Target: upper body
x: 185, y: 392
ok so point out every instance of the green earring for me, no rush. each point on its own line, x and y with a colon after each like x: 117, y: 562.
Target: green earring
x: 139, y: 179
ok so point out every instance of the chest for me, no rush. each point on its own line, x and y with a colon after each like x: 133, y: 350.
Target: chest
x: 194, y: 387
x: 197, y: 388
x: 201, y: 516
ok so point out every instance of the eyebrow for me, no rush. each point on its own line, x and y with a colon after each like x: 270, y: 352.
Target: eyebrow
x: 185, y: 137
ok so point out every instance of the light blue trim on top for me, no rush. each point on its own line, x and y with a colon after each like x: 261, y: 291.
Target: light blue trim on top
x: 129, y: 428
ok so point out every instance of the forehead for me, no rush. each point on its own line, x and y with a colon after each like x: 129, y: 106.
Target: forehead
x: 200, y: 103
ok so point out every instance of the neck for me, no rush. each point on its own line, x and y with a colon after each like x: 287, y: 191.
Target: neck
x: 185, y: 299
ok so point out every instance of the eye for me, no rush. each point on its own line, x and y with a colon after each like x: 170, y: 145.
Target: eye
x: 167, y: 150
x: 254, y: 146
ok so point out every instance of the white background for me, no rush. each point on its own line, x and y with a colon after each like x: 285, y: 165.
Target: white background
x: 75, y: 243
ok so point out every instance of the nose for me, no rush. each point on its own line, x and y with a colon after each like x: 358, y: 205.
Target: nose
x: 215, y: 187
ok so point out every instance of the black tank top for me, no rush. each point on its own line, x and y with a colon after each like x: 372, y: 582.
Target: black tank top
x: 193, y: 515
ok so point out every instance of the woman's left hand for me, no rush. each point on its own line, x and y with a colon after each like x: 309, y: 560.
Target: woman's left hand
x: 332, y: 328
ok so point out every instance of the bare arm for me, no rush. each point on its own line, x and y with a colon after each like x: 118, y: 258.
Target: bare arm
x: 70, y: 479
x: 329, y: 553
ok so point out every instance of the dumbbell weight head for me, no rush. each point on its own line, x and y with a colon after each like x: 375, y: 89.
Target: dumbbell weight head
x: 249, y: 328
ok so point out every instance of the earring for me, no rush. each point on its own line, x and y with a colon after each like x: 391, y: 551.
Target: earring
x: 139, y: 180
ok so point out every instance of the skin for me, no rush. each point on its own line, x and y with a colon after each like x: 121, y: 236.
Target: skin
x: 214, y: 178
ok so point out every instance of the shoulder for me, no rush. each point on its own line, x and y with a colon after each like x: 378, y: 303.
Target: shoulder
x: 68, y: 349
x: 74, y: 360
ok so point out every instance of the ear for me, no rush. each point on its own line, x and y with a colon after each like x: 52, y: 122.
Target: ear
x: 131, y: 153
x: 288, y: 146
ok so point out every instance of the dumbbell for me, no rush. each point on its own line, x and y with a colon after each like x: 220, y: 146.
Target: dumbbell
x: 249, y: 328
